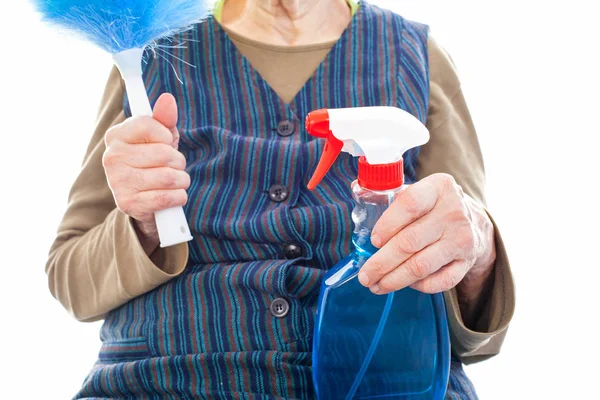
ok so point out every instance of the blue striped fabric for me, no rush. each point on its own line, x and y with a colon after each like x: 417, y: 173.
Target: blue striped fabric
x: 209, y: 333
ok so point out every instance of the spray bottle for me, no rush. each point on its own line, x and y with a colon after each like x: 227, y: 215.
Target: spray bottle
x: 394, y: 346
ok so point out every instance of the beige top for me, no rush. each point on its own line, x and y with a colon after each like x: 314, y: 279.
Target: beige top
x: 97, y: 262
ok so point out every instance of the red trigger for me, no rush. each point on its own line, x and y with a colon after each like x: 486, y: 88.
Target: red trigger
x: 317, y: 125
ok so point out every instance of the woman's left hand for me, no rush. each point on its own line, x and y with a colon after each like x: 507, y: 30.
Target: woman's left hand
x: 432, y: 238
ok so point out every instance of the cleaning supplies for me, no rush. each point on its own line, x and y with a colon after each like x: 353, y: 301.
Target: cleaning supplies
x: 367, y: 346
x: 124, y: 28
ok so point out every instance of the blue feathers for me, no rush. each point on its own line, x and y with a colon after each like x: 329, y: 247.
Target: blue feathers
x: 118, y: 25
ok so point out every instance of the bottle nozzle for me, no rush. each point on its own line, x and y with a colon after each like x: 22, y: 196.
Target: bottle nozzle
x: 317, y: 123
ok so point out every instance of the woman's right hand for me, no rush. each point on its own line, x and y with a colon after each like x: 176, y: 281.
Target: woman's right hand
x: 144, y: 169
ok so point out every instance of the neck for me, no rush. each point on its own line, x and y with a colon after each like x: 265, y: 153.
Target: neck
x: 287, y: 22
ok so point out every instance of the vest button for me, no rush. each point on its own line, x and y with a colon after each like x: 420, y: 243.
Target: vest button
x: 279, y: 308
x: 278, y: 193
x: 285, y: 128
x: 292, y: 251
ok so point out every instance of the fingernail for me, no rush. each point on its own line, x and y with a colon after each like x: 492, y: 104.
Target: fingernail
x: 374, y: 289
x: 363, y: 279
x: 376, y: 240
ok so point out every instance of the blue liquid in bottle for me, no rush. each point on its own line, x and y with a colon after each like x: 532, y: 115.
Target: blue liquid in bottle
x: 369, y: 346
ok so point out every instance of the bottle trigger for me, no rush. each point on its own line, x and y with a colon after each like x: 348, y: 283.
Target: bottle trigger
x: 317, y: 125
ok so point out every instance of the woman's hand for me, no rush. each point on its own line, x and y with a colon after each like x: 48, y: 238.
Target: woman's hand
x: 144, y: 169
x: 432, y: 238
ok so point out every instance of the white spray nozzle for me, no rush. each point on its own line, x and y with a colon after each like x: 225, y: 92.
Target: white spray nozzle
x: 380, y: 134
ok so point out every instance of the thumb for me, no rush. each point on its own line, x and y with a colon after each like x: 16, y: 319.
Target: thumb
x: 165, y: 112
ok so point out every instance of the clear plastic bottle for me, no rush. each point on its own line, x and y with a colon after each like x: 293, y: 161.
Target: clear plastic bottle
x: 368, y: 346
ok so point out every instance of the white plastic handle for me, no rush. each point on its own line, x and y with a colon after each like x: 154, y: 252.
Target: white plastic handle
x: 171, y: 223
x: 172, y: 227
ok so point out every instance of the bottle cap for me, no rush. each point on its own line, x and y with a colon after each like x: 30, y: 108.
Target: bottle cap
x: 380, y: 176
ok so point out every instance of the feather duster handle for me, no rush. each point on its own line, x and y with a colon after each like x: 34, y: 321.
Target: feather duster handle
x: 130, y: 66
x: 124, y: 28
x: 171, y: 223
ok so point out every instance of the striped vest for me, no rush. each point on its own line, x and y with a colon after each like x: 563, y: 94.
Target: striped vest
x: 238, y: 323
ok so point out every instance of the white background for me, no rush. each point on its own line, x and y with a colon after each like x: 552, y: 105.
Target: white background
x: 530, y: 71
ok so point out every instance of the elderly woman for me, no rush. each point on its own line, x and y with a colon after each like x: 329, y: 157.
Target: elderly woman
x: 231, y: 313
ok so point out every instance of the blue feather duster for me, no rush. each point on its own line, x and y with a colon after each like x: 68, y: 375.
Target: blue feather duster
x: 124, y: 28
x: 118, y: 25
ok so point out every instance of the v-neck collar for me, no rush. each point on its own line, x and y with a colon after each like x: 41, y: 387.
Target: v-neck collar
x: 243, y: 61
x: 218, y: 8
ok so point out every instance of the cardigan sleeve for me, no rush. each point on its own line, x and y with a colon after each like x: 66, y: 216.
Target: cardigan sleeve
x: 454, y: 149
x: 96, y: 262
